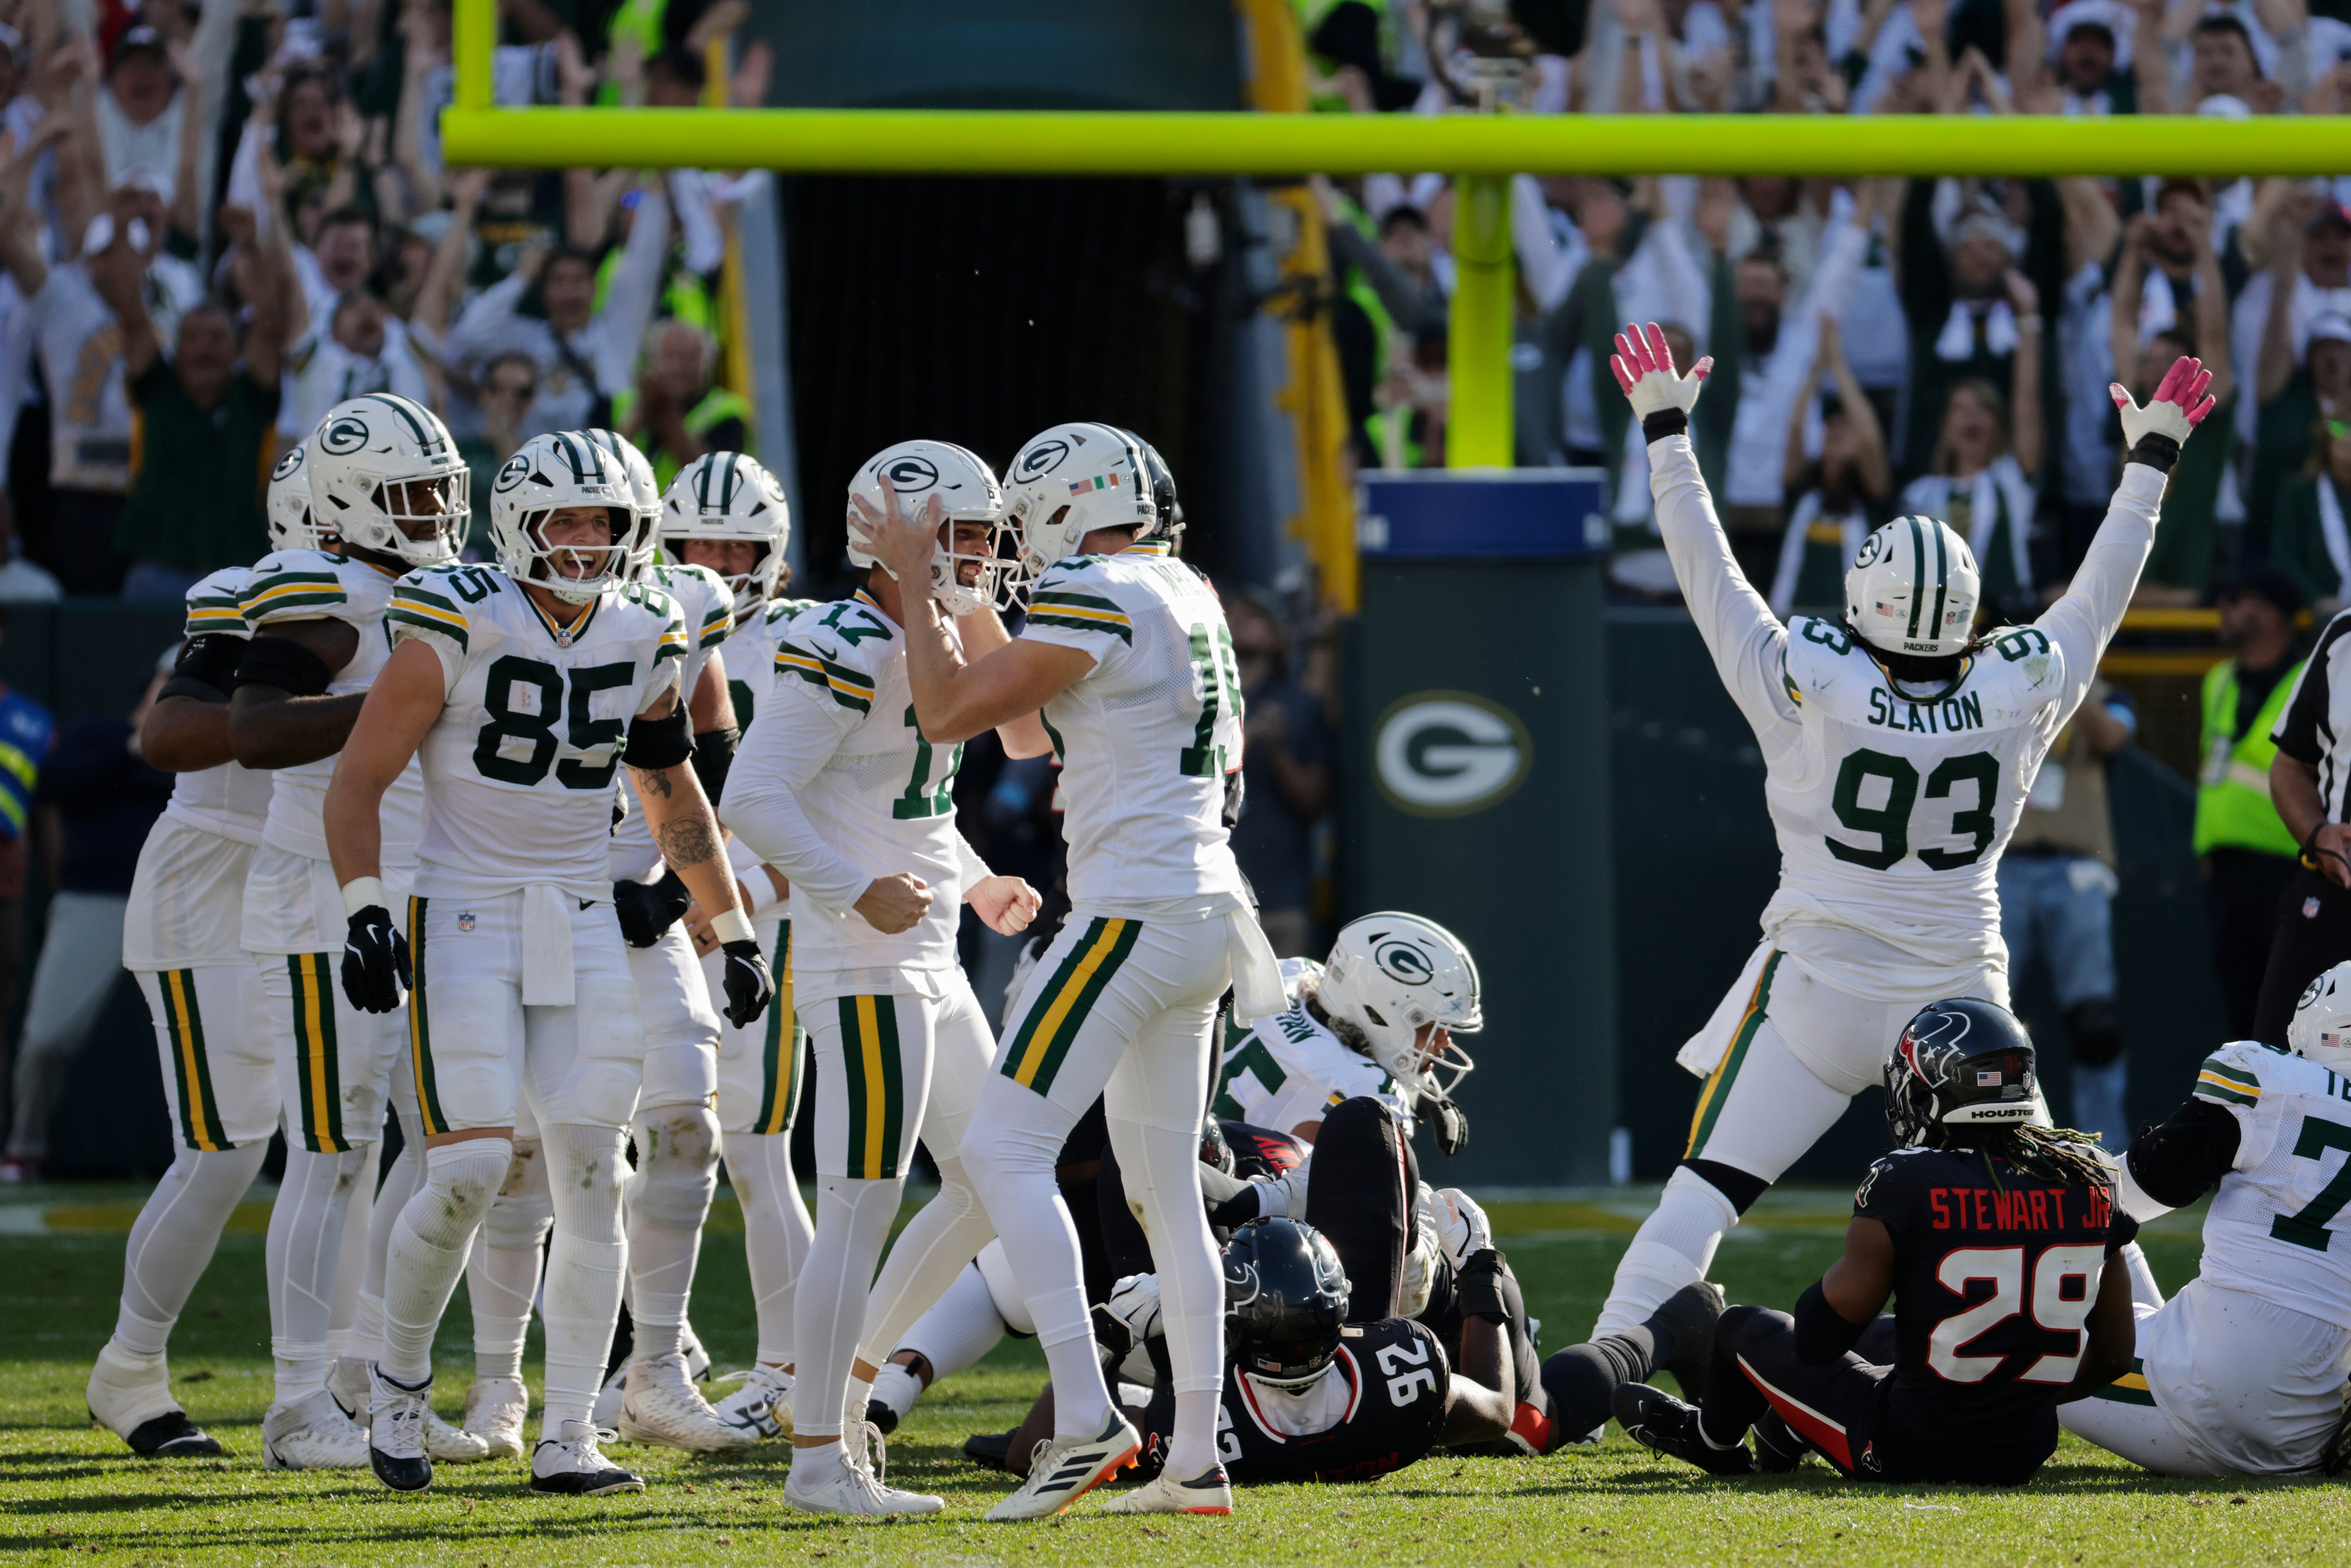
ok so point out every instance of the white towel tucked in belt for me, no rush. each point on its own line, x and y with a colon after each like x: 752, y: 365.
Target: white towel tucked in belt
x: 1256, y: 973
x: 547, y: 974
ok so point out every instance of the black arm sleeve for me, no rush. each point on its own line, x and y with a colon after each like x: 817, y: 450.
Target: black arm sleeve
x: 285, y: 663
x: 2182, y: 1160
x: 657, y: 743
x: 713, y: 755
x: 207, y: 668
x: 1822, y: 1333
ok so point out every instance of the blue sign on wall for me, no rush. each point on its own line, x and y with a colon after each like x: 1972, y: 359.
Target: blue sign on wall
x: 1500, y: 514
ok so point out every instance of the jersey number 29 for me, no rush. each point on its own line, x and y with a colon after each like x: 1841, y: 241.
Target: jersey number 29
x: 2052, y: 1307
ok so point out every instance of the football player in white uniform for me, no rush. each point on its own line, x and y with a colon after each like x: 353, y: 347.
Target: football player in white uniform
x: 1898, y: 747
x: 2242, y: 1372
x: 523, y: 688
x: 181, y: 939
x: 842, y: 790
x: 386, y: 483
x: 1127, y: 654
x: 725, y: 514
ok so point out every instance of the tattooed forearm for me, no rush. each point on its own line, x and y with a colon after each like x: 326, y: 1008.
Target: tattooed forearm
x: 651, y: 783
x: 688, y: 840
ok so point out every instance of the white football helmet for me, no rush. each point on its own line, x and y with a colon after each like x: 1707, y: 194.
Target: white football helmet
x: 2320, y: 1027
x: 644, y: 541
x: 1913, y: 588
x: 288, y: 513
x: 1389, y: 974
x: 729, y: 496
x: 380, y: 464
x: 1073, y: 479
x: 919, y: 470
x: 549, y: 473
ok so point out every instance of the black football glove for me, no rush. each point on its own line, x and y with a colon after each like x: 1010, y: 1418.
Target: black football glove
x: 1452, y: 1126
x: 375, y: 961
x: 646, y: 910
x: 1236, y: 1211
x: 749, y: 986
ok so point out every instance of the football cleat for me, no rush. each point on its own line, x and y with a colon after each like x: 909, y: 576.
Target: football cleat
x: 1692, y: 1311
x: 854, y: 1486
x: 990, y: 1450
x: 661, y: 1406
x: 496, y: 1409
x: 311, y: 1434
x: 395, y: 1434
x: 697, y: 1359
x: 132, y: 1397
x: 448, y: 1445
x: 570, y: 1466
x: 1208, y: 1492
x: 605, y: 1414
x: 895, y: 1389
x: 1778, y: 1449
x: 1655, y: 1419
x: 762, y: 1407
x: 1063, y: 1470
x: 347, y: 1380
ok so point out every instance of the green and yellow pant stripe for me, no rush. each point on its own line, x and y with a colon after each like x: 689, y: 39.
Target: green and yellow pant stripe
x: 420, y: 1028
x: 780, y: 1088
x: 191, y: 1073
x: 2130, y: 1389
x: 1710, y: 1099
x: 1042, y: 1041
x: 317, y: 1076
x: 873, y: 1075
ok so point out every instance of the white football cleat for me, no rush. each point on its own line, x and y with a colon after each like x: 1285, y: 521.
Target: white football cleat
x: 762, y: 1407
x: 132, y: 1397
x: 852, y: 1488
x: 448, y: 1445
x: 347, y: 1380
x: 311, y: 1434
x: 395, y: 1434
x: 1063, y: 1470
x: 697, y: 1359
x: 496, y: 1409
x: 452, y: 1445
x: 570, y: 1466
x: 605, y: 1414
x: 662, y: 1407
x: 1207, y: 1493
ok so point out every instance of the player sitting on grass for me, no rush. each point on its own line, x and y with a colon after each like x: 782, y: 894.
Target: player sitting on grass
x: 1993, y: 1236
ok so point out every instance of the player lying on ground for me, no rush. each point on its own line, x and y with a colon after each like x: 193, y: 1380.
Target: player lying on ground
x: 1993, y: 1235
x: 2242, y: 1372
x: 1897, y: 747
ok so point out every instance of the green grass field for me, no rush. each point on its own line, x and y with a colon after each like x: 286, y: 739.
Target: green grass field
x: 68, y: 1488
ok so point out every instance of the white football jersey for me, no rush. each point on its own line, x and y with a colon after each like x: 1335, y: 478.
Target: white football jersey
x: 2273, y: 1225
x: 707, y: 603
x: 1147, y: 736
x: 838, y: 730
x: 231, y: 799
x: 519, y: 767
x: 751, y: 655
x: 1289, y: 1069
x: 1892, y: 807
x: 312, y: 585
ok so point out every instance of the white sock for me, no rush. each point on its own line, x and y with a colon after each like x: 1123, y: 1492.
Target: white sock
x: 853, y: 1222
x: 400, y: 1183
x: 172, y: 1240
x: 668, y: 1200
x: 963, y: 1326
x: 933, y: 1249
x: 352, y: 1263
x: 898, y: 1387
x: 1673, y: 1247
x: 776, y: 1233
x: 306, y: 1243
x: 502, y: 1275
x: 1161, y: 1168
x: 428, y: 1248
x: 584, y: 1267
x: 2145, y: 1291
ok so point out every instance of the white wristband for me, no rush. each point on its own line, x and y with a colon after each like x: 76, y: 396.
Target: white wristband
x: 730, y: 925
x: 362, y: 891
x: 762, y: 887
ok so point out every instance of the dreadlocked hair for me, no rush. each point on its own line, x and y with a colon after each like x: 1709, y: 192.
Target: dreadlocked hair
x: 1350, y: 1035
x: 2052, y: 1154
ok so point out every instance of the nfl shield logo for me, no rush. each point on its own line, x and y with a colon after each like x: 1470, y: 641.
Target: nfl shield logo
x: 2309, y: 908
x: 464, y: 923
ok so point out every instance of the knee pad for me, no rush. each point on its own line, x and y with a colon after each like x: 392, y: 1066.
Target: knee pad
x: 2096, y: 1031
x: 461, y: 1180
x: 524, y: 1211
x: 677, y: 1164
x: 1003, y: 1291
x: 583, y: 1177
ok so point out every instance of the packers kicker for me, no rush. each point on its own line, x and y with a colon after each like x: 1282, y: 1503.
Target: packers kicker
x: 523, y: 688
x: 1898, y: 749
x: 180, y: 937
x: 842, y: 790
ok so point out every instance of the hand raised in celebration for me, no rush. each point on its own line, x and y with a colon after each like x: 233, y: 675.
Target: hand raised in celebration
x: 1644, y: 369
x: 2180, y: 402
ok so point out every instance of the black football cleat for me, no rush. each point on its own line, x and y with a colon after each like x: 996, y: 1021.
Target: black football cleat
x: 1778, y: 1449
x: 1692, y: 1313
x: 990, y: 1450
x: 172, y: 1435
x: 879, y: 1417
x: 1655, y: 1419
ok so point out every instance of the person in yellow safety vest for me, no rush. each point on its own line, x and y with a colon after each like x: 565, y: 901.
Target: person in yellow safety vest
x: 2248, y: 854
x: 673, y: 411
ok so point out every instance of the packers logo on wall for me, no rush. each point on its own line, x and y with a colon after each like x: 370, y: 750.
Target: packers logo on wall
x: 1448, y: 754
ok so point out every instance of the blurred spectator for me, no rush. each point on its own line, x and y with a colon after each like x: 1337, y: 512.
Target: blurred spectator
x: 138, y: 133
x: 2309, y: 543
x: 354, y: 356
x: 1286, y: 760
x: 675, y: 412
x: 2057, y: 885
x: 2307, y: 281
x: 1973, y: 299
x: 28, y: 739
x: 1980, y: 478
x: 1837, y: 472
x: 96, y: 802
x: 509, y: 384
x: 2249, y: 856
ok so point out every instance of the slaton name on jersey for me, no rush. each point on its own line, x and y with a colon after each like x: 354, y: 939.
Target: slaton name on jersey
x: 519, y: 767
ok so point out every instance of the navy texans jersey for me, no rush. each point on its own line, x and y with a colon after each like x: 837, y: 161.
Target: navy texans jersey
x: 1995, y: 1272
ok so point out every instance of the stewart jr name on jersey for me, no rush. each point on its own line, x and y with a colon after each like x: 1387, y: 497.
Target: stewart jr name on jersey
x: 1147, y: 736
x: 313, y: 585
x: 519, y: 767
x: 706, y: 602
